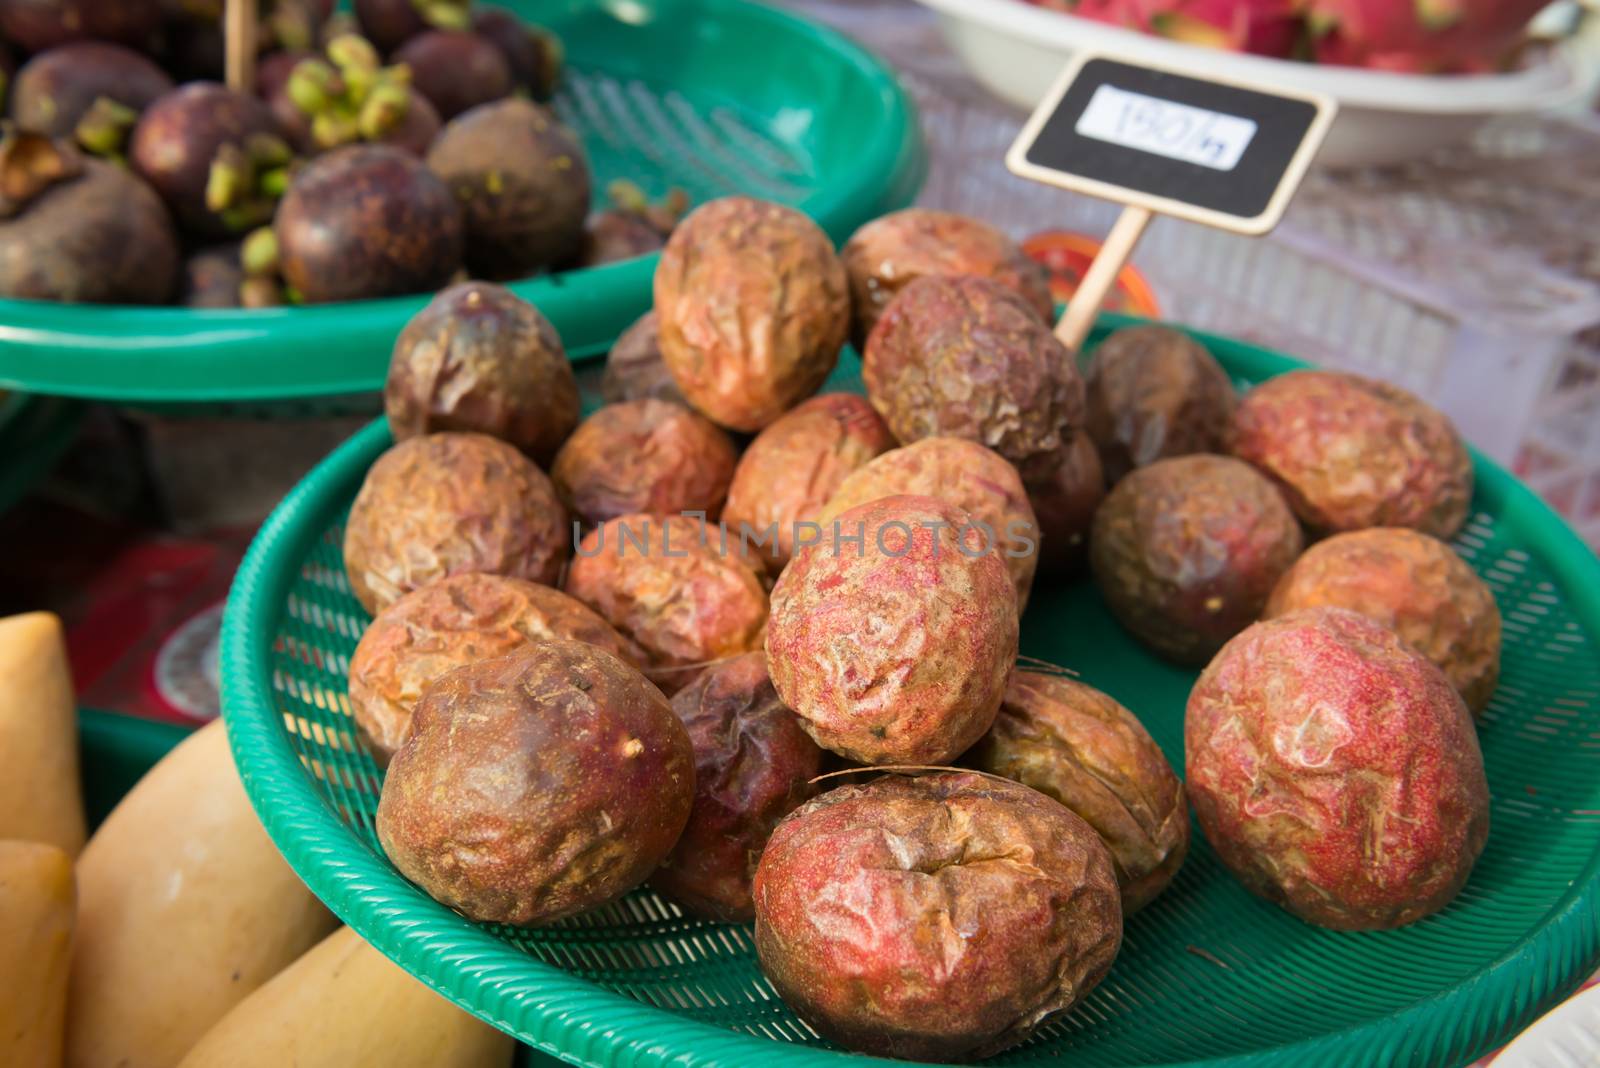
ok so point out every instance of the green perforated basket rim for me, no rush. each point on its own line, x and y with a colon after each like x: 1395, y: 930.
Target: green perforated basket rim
x: 170, y: 355
x: 562, y: 1013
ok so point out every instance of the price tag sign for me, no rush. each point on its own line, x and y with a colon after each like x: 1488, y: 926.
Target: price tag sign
x: 1218, y: 152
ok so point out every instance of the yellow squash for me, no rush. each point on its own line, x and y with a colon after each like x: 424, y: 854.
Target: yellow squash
x: 185, y: 907
x: 35, y: 950
x: 39, y: 800
x: 345, y: 1004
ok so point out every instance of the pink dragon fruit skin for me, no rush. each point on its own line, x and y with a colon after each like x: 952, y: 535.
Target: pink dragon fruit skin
x: 1418, y: 36
x: 1265, y: 27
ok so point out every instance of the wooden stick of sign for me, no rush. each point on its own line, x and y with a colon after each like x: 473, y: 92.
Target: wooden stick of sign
x: 1166, y: 141
x: 1090, y: 297
x: 239, y: 36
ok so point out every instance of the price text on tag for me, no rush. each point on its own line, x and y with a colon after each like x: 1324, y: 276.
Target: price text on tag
x: 1217, y: 152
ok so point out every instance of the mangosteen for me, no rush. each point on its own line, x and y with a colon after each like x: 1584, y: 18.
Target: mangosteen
x: 534, y: 53
x: 215, y: 156
x: 456, y: 70
x: 236, y: 275
x: 78, y: 229
x: 350, y: 97
x: 367, y: 221
x: 40, y: 25
x: 391, y: 23
x: 523, y: 183
x: 633, y: 226
x: 88, y: 90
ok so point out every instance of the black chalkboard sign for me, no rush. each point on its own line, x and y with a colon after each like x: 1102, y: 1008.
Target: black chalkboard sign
x: 1218, y: 152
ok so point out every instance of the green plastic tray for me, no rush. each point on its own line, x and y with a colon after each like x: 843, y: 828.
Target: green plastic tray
x: 1207, y: 975
x: 713, y: 96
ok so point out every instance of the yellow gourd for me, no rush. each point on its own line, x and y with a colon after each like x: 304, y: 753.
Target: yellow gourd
x: 345, y: 1004
x: 39, y: 799
x: 35, y: 950
x: 185, y: 908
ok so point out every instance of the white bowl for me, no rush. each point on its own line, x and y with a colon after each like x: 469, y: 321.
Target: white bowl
x: 1567, y: 1036
x: 1017, y: 50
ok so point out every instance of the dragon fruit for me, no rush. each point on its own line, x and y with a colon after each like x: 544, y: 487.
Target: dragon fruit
x: 1418, y: 36
x: 1265, y: 27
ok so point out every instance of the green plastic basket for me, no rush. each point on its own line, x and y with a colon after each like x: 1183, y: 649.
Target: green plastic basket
x: 711, y: 96
x: 1208, y: 974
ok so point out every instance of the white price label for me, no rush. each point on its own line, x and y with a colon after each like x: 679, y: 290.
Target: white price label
x: 1176, y: 131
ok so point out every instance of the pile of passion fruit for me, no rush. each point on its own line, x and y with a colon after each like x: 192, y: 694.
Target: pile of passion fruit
x: 758, y: 647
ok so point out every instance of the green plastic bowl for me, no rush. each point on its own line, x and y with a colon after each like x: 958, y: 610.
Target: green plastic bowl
x: 1208, y: 974
x: 711, y: 96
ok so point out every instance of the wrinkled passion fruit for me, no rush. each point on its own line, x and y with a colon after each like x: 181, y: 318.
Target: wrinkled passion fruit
x: 939, y: 918
x: 967, y: 357
x: 1081, y: 747
x: 1335, y: 771
x: 753, y: 765
x: 448, y: 503
x: 537, y: 785
x: 634, y: 368
x: 367, y: 221
x: 451, y: 623
x: 480, y: 358
x: 753, y: 306
x: 889, y: 253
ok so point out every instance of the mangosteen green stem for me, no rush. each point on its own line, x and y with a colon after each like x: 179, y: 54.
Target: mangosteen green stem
x: 334, y: 127
x: 384, y: 110
x: 350, y: 52
x: 104, y: 128
x: 229, y: 178
x: 312, y: 86
x: 258, y: 255
x: 268, y: 151
x: 445, y: 14
x: 260, y: 293
x: 274, y: 183
x: 627, y: 196
x: 30, y: 163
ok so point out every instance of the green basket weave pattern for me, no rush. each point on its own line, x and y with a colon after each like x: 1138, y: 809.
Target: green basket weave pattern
x: 1207, y: 975
x: 713, y: 96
